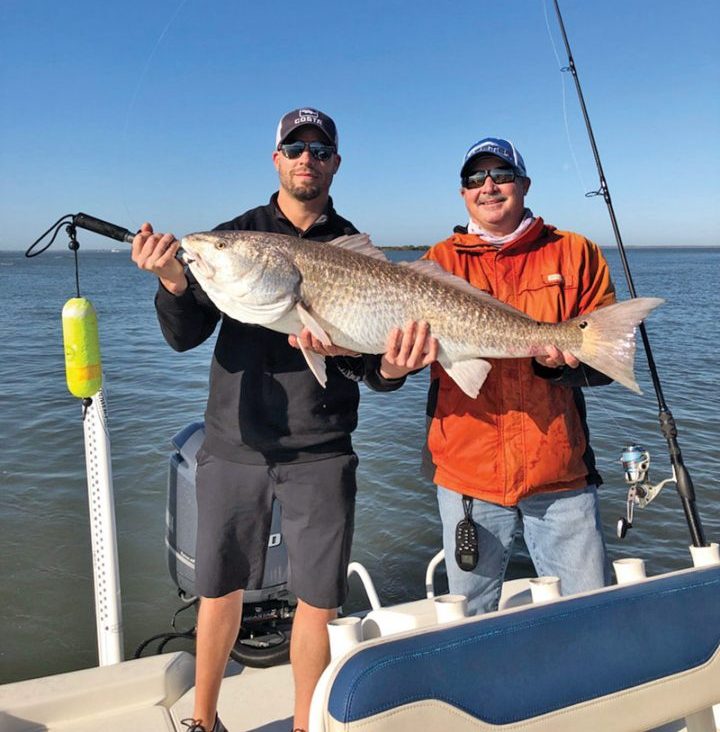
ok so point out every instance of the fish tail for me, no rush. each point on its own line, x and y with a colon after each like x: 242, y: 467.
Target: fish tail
x: 609, y: 338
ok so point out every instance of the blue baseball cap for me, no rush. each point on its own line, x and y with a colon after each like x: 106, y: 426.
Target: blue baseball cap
x: 503, y: 149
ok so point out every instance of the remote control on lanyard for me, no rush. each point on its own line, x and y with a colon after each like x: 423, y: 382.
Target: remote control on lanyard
x: 466, y: 539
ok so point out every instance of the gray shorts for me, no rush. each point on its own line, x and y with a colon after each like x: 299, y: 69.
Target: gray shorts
x: 234, y: 514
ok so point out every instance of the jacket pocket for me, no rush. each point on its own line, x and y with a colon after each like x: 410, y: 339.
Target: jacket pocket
x: 549, y: 296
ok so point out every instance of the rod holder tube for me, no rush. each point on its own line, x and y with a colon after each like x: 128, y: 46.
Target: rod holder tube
x: 629, y: 570
x: 545, y: 588
x: 345, y: 634
x: 449, y: 608
x: 705, y: 556
x: 103, y: 535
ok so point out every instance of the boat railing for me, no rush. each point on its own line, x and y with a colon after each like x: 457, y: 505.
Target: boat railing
x: 430, y: 573
x: 356, y: 568
x: 367, y: 583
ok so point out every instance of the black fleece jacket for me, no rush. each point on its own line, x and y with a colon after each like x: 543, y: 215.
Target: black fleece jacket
x: 264, y: 404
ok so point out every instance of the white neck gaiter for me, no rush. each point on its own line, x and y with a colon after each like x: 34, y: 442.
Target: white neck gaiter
x: 527, y: 221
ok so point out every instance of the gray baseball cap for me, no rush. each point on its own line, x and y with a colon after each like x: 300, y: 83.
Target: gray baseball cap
x: 306, y: 117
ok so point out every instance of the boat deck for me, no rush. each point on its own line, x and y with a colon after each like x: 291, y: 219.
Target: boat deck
x: 154, y: 694
x: 149, y: 694
x: 254, y: 699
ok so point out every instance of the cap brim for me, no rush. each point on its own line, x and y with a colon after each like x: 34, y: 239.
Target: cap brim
x: 517, y: 170
x: 312, y: 126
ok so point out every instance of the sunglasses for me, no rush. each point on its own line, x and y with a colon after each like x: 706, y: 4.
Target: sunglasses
x: 498, y: 175
x: 293, y: 150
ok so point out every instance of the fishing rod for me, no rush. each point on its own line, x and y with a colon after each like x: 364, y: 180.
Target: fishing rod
x: 72, y: 222
x: 635, y: 460
x: 84, y: 221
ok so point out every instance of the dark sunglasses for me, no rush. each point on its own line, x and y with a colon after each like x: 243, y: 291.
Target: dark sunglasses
x: 498, y: 175
x: 293, y: 150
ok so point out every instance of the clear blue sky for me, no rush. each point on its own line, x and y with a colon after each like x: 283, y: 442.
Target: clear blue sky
x: 165, y: 110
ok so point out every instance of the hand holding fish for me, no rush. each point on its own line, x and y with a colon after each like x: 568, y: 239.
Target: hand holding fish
x: 408, y: 350
x: 306, y: 340
x: 555, y: 358
x: 156, y: 253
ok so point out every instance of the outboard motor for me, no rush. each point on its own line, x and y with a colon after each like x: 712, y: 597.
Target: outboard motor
x: 267, y: 612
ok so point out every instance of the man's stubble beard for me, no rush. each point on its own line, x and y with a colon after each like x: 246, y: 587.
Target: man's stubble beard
x: 307, y: 191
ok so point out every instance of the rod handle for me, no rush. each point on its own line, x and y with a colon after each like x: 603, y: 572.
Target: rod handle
x: 104, y: 228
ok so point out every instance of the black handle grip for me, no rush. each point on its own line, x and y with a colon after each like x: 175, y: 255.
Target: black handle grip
x: 104, y: 228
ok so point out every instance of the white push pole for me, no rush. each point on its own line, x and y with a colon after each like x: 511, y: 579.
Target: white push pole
x: 106, y: 575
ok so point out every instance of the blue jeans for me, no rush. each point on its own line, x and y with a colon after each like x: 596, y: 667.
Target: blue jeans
x: 562, y: 530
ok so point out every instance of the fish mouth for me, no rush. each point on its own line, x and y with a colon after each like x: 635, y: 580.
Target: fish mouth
x: 197, y: 263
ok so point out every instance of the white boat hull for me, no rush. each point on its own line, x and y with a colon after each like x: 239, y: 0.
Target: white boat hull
x: 630, y: 658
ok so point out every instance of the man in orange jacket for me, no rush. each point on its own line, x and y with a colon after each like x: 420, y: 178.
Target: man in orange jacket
x: 517, y: 460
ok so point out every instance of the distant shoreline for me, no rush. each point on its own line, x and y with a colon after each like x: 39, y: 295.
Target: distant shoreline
x: 420, y: 248
x: 407, y: 248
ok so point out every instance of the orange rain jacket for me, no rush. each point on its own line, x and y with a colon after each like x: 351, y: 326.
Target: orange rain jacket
x: 526, y: 432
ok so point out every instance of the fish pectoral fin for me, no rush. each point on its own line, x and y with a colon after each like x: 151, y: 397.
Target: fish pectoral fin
x: 468, y: 375
x: 359, y: 243
x: 312, y: 325
x: 316, y: 364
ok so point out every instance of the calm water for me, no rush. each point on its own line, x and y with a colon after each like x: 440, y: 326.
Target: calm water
x: 46, y: 613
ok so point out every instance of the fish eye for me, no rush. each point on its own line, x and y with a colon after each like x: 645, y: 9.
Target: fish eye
x: 583, y: 325
x: 219, y: 245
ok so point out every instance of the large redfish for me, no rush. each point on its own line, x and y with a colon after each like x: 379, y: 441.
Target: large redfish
x: 346, y: 292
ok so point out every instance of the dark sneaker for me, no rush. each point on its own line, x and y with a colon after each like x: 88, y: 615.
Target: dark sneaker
x: 194, y: 726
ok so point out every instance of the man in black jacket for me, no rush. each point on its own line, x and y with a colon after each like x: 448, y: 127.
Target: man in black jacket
x: 272, y: 430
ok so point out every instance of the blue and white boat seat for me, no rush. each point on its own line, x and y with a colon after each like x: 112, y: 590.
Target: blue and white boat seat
x: 629, y: 657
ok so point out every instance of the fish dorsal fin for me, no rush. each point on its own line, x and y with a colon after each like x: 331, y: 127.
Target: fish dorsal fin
x: 432, y: 269
x: 359, y: 243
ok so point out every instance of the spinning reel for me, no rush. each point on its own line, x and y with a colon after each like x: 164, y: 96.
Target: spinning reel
x: 636, y: 465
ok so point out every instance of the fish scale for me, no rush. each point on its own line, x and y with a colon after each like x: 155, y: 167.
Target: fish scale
x: 395, y: 294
